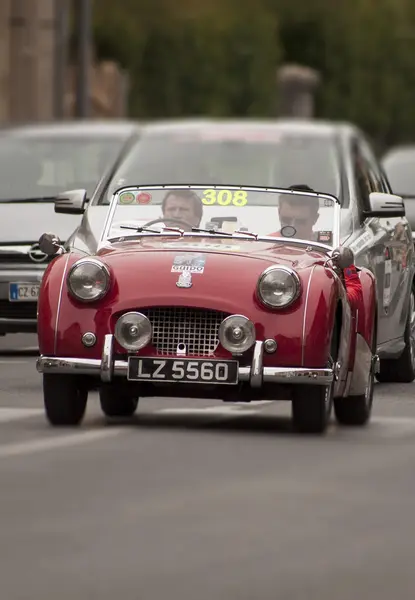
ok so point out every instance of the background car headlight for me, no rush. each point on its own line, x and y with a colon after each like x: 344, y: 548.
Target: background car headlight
x: 237, y: 333
x: 133, y: 331
x: 278, y: 287
x: 88, y: 280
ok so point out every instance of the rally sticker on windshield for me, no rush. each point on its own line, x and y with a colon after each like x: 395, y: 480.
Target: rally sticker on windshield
x: 225, y: 197
x: 126, y: 198
x: 189, y: 262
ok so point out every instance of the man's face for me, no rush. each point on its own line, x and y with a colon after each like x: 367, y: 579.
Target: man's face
x: 300, y: 217
x: 180, y: 208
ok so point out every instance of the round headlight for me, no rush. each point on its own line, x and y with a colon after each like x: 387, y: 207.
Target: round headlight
x: 237, y: 333
x: 88, y: 280
x: 278, y: 287
x: 133, y: 331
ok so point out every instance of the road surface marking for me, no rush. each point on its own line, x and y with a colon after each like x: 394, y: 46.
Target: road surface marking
x: 211, y: 411
x: 14, y: 414
x: 12, y: 361
x: 66, y: 441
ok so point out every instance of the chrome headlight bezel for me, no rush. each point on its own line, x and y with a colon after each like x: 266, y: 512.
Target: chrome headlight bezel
x: 142, y: 342
x: 96, y: 263
x: 279, y: 269
x: 251, y: 330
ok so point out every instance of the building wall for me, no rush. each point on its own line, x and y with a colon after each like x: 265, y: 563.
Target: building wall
x: 30, y: 52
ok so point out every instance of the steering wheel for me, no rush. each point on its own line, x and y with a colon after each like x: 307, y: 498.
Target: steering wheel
x: 164, y: 220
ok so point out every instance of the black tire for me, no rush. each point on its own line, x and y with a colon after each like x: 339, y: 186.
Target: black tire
x: 402, y: 369
x: 65, y: 399
x: 116, y: 403
x: 311, y: 408
x: 312, y: 404
x: 356, y: 410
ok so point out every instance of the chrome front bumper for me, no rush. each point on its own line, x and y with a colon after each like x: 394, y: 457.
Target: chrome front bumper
x: 107, y: 368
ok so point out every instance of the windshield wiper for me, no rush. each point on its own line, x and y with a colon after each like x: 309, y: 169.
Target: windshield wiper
x: 211, y: 231
x: 28, y: 200
x: 144, y: 229
x: 140, y: 229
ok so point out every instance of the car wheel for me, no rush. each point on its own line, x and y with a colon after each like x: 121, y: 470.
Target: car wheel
x: 311, y: 408
x: 356, y: 410
x: 312, y: 404
x: 117, y: 403
x: 65, y: 399
x: 402, y: 369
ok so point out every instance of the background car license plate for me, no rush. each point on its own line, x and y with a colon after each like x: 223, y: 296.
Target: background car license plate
x: 183, y: 371
x: 24, y: 292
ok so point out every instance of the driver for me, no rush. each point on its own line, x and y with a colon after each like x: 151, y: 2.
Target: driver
x: 183, y: 205
x: 302, y: 213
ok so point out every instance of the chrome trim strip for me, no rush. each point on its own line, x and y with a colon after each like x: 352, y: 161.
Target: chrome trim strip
x: 107, y: 361
x: 58, y: 309
x: 88, y: 366
x: 305, y: 316
x: 257, y: 368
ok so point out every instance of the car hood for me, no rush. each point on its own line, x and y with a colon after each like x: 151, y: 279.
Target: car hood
x: 25, y: 222
x: 213, y: 255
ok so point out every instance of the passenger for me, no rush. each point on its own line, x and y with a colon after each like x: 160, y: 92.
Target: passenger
x: 302, y: 212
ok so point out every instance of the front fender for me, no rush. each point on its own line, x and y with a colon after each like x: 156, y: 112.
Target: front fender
x: 50, y: 300
x: 323, y: 294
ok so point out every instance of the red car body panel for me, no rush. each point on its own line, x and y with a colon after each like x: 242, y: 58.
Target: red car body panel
x: 141, y: 277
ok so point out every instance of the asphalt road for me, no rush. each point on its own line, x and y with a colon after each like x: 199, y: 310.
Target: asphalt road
x: 194, y: 500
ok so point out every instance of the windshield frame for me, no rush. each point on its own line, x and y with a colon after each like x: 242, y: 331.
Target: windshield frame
x: 105, y: 239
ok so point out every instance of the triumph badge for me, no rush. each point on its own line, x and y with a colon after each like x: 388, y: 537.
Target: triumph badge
x: 185, y: 280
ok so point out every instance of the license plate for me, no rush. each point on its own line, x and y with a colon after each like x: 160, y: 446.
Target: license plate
x: 169, y: 370
x: 24, y: 292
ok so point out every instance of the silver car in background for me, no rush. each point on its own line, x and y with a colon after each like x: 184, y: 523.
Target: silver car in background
x: 37, y: 162
x: 399, y: 166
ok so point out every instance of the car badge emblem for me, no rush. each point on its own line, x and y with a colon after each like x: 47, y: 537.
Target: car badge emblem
x: 185, y: 280
x: 36, y: 254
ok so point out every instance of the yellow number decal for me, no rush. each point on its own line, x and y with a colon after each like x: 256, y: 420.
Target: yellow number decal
x: 225, y: 197
x: 209, y: 197
x: 240, y: 198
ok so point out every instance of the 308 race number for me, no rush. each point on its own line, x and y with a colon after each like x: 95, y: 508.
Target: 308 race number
x: 225, y: 197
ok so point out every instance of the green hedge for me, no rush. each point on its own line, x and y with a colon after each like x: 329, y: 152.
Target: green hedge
x: 196, y: 57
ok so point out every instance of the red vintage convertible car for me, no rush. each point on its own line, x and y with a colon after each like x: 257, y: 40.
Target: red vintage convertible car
x: 227, y: 292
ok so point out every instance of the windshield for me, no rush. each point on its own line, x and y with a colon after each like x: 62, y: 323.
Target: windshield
x: 279, y: 213
x: 400, y: 170
x: 225, y: 157
x: 44, y: 167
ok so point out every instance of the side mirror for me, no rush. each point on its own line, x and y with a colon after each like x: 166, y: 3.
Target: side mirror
x: 385, y: 205
x: 343, y: 257
x: 71, y: 203
x: 50, y: 244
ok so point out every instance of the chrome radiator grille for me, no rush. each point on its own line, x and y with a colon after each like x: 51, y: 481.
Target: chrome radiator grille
x: 196, y: 328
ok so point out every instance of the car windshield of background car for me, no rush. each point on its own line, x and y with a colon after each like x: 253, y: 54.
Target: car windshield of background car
x: 272, y: 162
x: 44, y: 167
x: 278, y: 213
x: 400, y: 170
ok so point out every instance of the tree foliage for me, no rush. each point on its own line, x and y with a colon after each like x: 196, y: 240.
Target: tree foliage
x: 194, y: 57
